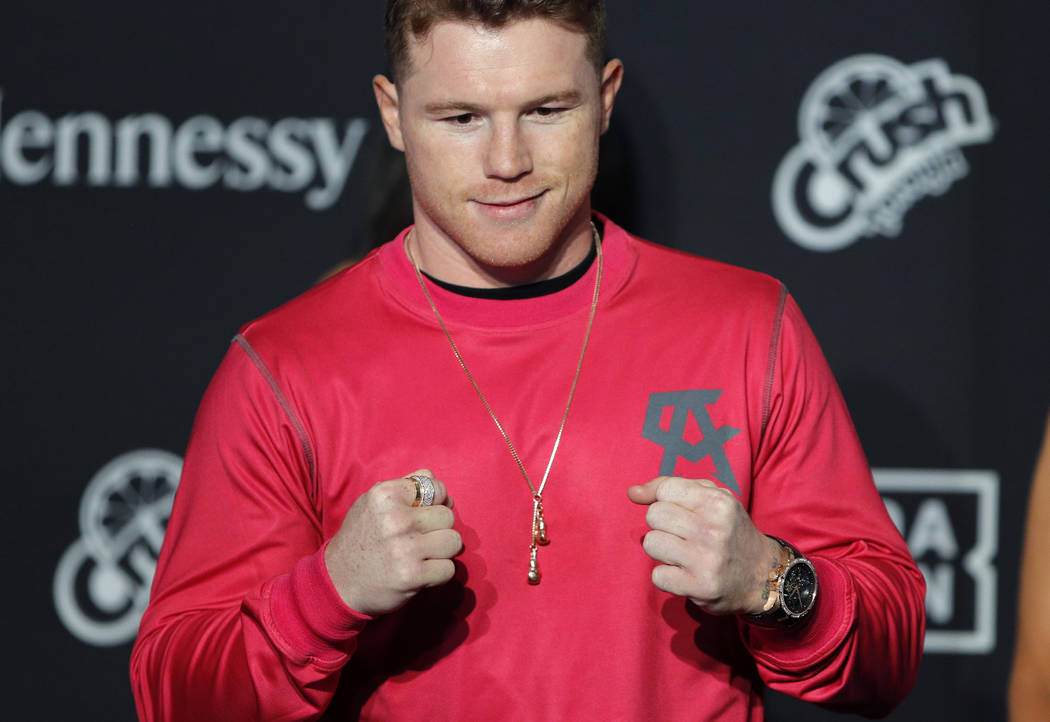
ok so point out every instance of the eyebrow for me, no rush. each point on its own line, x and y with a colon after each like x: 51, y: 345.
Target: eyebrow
x: 571, y: 97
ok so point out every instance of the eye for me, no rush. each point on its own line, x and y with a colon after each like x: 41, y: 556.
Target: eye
x: 546, y: 111
x: 461, y: 119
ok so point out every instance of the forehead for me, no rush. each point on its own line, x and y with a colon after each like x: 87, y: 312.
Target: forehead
x: 534, y: 55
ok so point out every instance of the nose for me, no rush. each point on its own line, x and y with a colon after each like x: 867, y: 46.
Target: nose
x: 507, y: 155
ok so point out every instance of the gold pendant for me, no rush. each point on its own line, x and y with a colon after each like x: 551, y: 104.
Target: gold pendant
x: 539, y: 538
x: 539, y: 526
x: 534, y: 568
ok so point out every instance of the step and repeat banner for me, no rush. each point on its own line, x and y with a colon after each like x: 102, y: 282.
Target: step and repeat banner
x: 170, y: 171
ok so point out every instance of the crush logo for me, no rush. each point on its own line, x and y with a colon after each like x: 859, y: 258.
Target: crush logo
x: 103, y: 580
x: 875, y: 137
x: 291, y: 155
x: 680, y: 422
x: 950, y: 520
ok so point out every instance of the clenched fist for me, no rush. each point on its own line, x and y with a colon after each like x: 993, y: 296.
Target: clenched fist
x: 707, y: 546
x: 387, y: 550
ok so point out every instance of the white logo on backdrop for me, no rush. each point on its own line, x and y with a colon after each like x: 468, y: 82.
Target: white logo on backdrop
x: 288, y: 155
x: 102, y: 582
x: 950, y: 520
x: 875, y: 137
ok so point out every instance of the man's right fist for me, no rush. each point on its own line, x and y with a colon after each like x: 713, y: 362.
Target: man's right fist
x: 387, y: 550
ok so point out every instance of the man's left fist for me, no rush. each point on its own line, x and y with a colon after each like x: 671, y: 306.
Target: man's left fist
x: 708, y: 548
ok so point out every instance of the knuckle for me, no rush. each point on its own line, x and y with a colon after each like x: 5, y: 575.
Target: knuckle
x: 660, y: 576
x: 445, y: 544
x: 455, y: 541
x: 368, y: 500
x: 445, y: 517
x: 651, y: 542
x: 722, y: 504
x: 447, y: 570
x: 433, y: 518
x: 672, y: 486
x: 653, y: 514
x: 692, y: 527
x: 391, y: 525
x: 405, y: 575
x: 724, y: 500
x: 718, y: 539
x: 384, y: 494
x: 401, y: 553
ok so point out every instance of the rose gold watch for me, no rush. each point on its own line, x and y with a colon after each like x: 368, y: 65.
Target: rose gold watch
x: 794, y: 590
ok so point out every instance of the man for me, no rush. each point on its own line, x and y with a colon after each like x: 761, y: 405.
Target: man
x: 591, y: 401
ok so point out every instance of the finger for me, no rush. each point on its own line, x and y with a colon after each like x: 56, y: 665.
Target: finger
x: 665, y: 548
x: 411, y: 486
x: 441, y: 497
x: 437, y: 572
x: 690, y: 493
x: 646, y: 493
x: 430, y: 518
x: 674, y: 579
x: 673, y: 519
x: 440, y: 544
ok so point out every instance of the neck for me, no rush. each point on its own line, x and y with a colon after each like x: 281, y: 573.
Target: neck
x: 442, y: 258
x: 525, y: 290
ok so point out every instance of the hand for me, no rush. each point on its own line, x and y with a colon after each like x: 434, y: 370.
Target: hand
x: 710, y: 551
x: 387, y: 550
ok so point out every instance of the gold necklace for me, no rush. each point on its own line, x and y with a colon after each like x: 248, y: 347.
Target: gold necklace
x: 539, y: 526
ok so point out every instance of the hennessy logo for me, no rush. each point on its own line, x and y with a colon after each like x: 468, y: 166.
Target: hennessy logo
x: 311, y: 155
x: 672, y: 434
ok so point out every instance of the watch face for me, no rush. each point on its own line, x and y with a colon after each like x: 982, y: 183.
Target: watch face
x: 800, y: 588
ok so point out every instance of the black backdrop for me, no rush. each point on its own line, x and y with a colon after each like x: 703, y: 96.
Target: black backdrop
x: 170, y: 170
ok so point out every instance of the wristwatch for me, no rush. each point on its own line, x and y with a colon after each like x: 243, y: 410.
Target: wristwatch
x: 794, y: 588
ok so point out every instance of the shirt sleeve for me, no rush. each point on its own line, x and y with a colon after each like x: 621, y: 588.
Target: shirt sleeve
x: 860, y: 649
x: 243, y: 617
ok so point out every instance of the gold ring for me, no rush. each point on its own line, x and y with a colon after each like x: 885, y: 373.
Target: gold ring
x: 424, y: 490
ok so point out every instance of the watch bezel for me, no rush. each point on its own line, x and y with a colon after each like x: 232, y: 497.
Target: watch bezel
x: 781, y: 582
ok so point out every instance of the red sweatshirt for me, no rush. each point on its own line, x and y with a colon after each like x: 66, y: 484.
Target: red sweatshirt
x: 694, y: 368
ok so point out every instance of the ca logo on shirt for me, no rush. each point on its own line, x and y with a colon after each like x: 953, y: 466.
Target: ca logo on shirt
x: 667, y: 424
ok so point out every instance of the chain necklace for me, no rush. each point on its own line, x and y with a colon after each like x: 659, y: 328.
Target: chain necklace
x: 539, y: 526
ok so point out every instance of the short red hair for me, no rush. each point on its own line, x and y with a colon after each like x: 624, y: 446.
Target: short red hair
x: 419, y: 16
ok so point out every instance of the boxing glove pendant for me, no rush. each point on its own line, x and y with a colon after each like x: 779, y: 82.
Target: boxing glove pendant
x: 534, y: 568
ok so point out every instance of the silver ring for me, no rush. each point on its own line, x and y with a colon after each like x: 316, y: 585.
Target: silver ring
x: 424, y: 490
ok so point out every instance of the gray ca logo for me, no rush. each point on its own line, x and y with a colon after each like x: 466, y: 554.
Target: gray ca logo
x: 682, y: 405
x: 102, y: 582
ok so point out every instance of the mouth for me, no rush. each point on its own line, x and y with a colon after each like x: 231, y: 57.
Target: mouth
x: 511, y: 209
x: 511, y: 202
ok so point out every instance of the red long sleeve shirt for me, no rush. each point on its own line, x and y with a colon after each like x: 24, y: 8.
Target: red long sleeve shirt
x: 694, y: 367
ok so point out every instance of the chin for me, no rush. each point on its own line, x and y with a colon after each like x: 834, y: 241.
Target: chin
x: 511, y: 249
x: 508, y: 259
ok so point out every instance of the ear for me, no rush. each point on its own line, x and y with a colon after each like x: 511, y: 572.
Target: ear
x: 612, y: 76
x: 386, y: 99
